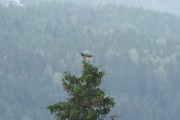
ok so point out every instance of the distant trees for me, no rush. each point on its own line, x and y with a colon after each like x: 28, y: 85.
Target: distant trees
x: 139, y: 48
x: 87, y: 100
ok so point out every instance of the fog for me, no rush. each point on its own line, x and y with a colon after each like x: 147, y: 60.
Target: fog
x: 170, y: 6
x: 137, y: 43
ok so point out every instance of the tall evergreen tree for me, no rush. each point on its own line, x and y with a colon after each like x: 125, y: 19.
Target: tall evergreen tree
x: 86, y: 101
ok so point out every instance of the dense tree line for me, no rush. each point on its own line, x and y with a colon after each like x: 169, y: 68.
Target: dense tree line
x: 140, y: 51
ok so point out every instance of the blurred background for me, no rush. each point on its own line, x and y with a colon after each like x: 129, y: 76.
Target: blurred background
x: 137, y: 41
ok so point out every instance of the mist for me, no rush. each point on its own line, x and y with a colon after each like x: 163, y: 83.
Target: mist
x: 170, y: 6
x: 137, y: 43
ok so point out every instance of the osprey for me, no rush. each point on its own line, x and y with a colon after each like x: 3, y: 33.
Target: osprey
x: 86, y: 55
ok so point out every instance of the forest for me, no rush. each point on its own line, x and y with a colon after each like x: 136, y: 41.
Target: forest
x: 138, y: 48
x: 170, y: 6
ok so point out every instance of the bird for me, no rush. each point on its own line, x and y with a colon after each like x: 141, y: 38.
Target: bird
x: 87, y: 55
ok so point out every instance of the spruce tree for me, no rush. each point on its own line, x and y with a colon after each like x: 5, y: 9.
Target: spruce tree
x: 86, y: 101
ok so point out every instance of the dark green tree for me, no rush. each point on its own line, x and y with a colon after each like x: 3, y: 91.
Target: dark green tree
x: 86, y: 101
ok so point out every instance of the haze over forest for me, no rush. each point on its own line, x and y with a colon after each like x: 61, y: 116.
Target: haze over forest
x: 139, y: 48
x: 170, y: 6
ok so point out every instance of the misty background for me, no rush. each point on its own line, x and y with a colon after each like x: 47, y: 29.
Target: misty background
x: 138, y: 42
x: 170, y: 6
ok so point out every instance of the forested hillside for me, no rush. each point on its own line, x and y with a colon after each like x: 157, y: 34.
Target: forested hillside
x: 140, y: 51
x: 170, y: 6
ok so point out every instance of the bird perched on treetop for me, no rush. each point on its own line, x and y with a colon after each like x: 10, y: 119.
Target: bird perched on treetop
x: 87, y: 55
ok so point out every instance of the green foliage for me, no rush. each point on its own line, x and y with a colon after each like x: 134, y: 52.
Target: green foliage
x: 86, y: 100
x: 139, y: 48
